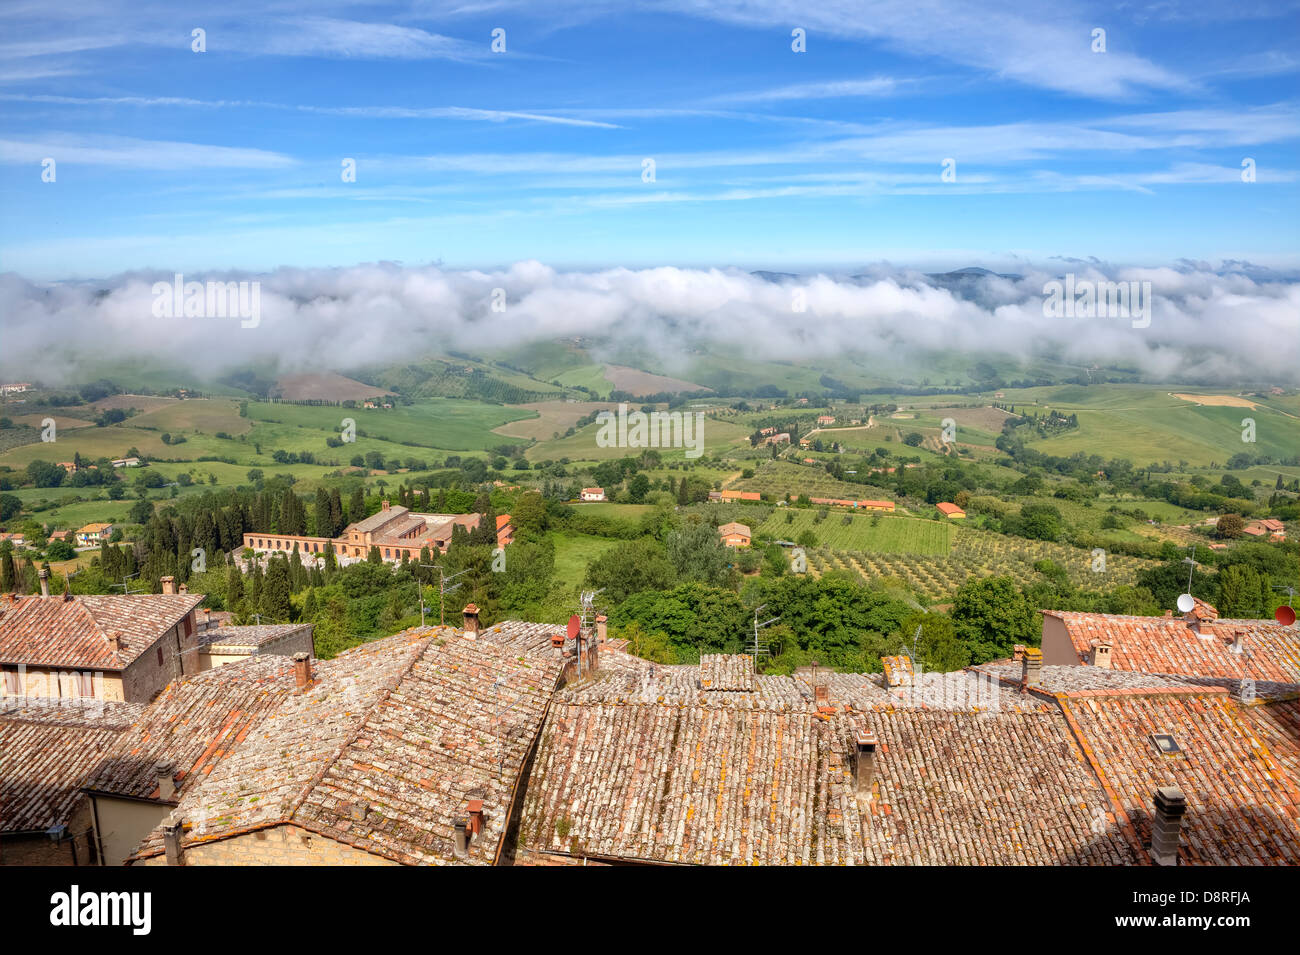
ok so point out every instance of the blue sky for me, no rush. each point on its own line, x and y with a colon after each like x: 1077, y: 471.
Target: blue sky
x: 831, y: 158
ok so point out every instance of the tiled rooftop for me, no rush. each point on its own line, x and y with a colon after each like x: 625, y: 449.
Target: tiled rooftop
x: 679, y: 782
x: 1242, y: 803
x: 74, y: 632
x: 252, y: 636
x: 383, y: 752
x: 47, y: 746
x: 1170, y: 645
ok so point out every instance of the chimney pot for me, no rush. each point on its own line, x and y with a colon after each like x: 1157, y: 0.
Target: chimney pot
x: 183, y: 588
x: 168, y: 585
x: 302, y: 670
x: 475, y: 810
x: 557, y: 641
x: 45, y: 582
x: 470, y: 613
x: 1099, y: 655
x: 820, y: 693
x: 602, y: 627
x: 461, y: 844
x: 1018, y: 652
x: 165, y: 772
x: 386, y: 505
x: 1166, y: 826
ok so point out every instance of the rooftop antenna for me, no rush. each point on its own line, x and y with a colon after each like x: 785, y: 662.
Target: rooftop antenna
x: 586, y: 622
x: 443, y: 590
x: 126, y: 585
x: 761, y: 646
x: 1186, y: 601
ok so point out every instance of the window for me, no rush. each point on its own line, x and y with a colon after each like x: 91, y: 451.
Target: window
x: 12, y: 684
x: 160, y: 662
x: 1166, y: 745
x: 84, y: 683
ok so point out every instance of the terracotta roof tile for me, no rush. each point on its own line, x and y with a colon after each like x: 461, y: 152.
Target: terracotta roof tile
x: 75, y: 633
x: 47, y: 747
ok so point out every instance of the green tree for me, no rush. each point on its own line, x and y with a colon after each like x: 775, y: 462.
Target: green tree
x: 276, y: 589
x: 990, y: 616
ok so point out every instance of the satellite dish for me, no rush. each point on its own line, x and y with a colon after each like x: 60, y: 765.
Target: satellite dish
x: 575, y: 624
x: 1186, y: 602
x: 1285, y: 615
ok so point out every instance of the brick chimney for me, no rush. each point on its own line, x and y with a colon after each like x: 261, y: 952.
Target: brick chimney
x: 1031, y: 669
x: 602, y: 627
x: 1099, y: 654
x: 475, y: 810
x: 172, y: 830
x: 385, y: 505
x: 470, y: 613
x: 183, y: 588
x: 302, y: 670
x: 1167, y: 824
x: 165, y: 773
x: 168, y: 584
x: 1018, y: 652
x: 45, y: 582
x: 864, y: 762
x: 820, y: 693
x: 1238, y: 641
x: 115, y: 641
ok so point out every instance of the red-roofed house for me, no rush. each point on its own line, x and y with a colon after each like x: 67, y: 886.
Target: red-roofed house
x: 593, y: 494
x: 1199, y: 644
x: 735, y: 534
x: 120, y: 647
x: 950, y: 510
x: 505, y: 530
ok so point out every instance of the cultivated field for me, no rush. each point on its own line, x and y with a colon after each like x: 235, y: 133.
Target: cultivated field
x: 552, y: 417
x: 888, y: 535
x: 326, y: 387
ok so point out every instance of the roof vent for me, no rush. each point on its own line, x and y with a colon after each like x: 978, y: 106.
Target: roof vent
x: 165, y: 771
x: 1167, y: 825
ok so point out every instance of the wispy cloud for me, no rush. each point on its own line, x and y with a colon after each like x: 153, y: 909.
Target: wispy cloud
x: 138, y: 153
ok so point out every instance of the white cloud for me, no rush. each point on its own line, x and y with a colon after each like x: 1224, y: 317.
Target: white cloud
x: 1206, y: 324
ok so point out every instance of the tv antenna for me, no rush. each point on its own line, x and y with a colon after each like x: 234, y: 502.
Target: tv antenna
x: 126, y: 584
x: 761, y: 646
x: 443, y: 590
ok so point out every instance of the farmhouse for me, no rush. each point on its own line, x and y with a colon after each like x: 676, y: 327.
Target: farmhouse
x: 826, y: 419
x: 125, y: 462
x: 740, y: 496
x: 782, y: 438
x: 593, y: 494
x: 864, y: 505
x: 15, y: 388
x: 735, y: 534
x: 1267, y: 527
x: 92, y: 534
x: 950, y: 510
x: 119, y: 647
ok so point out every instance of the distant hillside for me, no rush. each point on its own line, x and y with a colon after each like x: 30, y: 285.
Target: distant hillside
x: 326, y: 386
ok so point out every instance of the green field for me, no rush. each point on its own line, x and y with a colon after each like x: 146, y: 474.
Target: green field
x: 888, y: 535
x: 1146, y: 424
x: 442, y: 423
x: 720, y: 437
x: 573, y: 552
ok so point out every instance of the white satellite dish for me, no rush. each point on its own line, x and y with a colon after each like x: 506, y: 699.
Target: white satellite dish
x: 1186, y: 602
